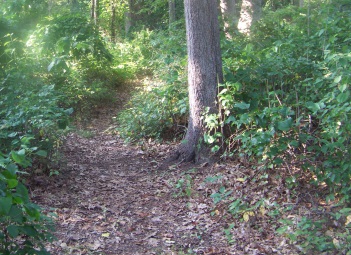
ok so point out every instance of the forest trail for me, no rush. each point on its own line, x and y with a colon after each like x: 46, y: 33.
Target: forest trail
x: 113, y: 198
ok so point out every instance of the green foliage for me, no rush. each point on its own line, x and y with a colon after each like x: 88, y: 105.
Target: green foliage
x: 31, y: 112
x: 158, y: 110
x: 184, y: 186
x: 154, y: 112
x: 23, y: 227
x: 31, y: 125
x: 28, y: 130
x: 287, y: 95
x: 313, y: 235
x: 73, y: 35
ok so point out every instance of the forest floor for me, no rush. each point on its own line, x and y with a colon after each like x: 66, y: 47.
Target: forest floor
x: 116, y: 198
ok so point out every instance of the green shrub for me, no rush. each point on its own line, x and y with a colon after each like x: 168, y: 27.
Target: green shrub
x: 158, y: 110
x: 23, y: 227
x: 30, y: 124
x: 288, y: 98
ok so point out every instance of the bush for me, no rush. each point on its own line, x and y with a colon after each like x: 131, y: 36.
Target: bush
x: 290, y: 102
x: 23, y: 227
x: 158, y: 110
x: 31, y: 126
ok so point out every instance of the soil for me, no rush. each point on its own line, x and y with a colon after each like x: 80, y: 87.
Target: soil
x: 116, y: 198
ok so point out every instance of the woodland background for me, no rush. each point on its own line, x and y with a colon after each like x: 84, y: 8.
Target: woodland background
x: 285, y: 103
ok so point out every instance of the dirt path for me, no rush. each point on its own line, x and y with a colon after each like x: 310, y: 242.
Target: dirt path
x: 112, y: 198
x: 116, y: 199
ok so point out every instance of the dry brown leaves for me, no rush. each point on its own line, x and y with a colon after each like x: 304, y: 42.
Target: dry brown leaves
x: 112, y: 198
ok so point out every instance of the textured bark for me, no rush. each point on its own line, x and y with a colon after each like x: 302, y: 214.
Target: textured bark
x: 250, y: 12
x: 204, y: 71
x: 228, y: 11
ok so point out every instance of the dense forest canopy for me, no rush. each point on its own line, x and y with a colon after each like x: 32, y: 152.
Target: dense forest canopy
x: 284, y: 103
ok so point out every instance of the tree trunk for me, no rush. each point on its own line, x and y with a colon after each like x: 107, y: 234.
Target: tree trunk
x: 250, y: 12
x: 92, y: 10
x: 128, y: 17
x: 229, y: 16
x: 113, y: 21
x: 96, y: 12
x: 172, y: 11
x: 204, y: 72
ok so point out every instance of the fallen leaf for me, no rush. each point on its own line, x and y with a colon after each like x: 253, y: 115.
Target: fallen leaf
x: 105, y: 234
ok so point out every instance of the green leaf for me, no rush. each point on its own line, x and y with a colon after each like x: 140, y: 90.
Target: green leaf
x: 5, y: 205
x: 20, y: 158
x: 22, y: 192
x: 29, y: 231
x: 342, y: 97
x: 69, y: 111
x: 337, y: 79
x: 33, y: 211
x: 242, y: 106
x: 313, y: 107
x: 285, y: 125
x: 12, y: 169
x: 13, y: 231
x: 12, y: 183
x: 209, y: 139
x: 41, y: 153
x: 16, y: 214
x: 345, y: 210
x: 343, y: 87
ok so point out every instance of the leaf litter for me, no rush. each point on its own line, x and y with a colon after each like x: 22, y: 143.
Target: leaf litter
x: 113, y: 198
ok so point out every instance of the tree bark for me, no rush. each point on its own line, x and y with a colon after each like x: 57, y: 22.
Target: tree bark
x: 228, y: 11
x: 204, y: 72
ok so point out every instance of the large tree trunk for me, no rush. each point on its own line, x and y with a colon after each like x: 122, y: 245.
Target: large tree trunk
x: 229, y: 16
x: 250, y: 12
x: 204, y: 72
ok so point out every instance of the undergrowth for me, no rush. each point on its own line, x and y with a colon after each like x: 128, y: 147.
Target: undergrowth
x: 159, y: 109
x: 285, y: 104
